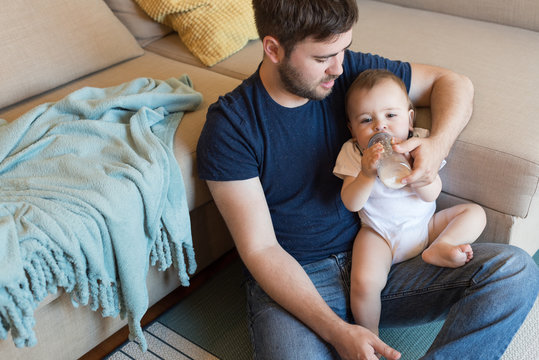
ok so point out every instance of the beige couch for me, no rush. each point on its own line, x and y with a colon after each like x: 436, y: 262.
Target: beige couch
x: 57, y: 47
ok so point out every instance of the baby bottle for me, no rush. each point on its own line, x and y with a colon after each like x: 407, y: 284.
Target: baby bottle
x: 392, y: 166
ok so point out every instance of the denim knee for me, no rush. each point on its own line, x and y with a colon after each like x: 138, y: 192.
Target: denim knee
x: 507, y: 261
x: 529, y: 269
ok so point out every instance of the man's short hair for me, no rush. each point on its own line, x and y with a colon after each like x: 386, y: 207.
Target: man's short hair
x: 291, y: 21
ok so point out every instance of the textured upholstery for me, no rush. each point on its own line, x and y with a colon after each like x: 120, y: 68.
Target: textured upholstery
x: 48, y: 43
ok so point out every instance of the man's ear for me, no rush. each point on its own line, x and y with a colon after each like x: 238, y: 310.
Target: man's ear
x: 273, y: 49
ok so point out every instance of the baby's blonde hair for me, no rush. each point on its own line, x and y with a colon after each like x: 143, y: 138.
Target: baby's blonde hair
x: 369, y: 78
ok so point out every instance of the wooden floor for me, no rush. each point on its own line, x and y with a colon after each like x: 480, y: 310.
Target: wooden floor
x: 106, y: 347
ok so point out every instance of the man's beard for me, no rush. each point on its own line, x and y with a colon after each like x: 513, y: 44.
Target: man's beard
x: 293, y: 82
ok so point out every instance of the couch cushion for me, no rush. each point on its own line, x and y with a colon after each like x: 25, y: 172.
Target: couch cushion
x: 143, y: 27
x: 495, y: 160
x: 48, y: 43
x: 240, y: 65
x: 209, y: 83
x: 521, y: 13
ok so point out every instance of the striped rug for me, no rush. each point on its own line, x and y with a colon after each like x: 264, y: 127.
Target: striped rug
x: 163, y: 343
x: 211, y: 324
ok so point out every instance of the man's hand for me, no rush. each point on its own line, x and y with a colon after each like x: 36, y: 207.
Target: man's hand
x: 427, y: 156
x: 358, y: 343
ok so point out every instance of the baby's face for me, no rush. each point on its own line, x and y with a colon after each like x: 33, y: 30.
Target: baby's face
x: 384, y: 108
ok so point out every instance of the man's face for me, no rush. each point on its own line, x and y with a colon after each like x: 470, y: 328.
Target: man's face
x: 312, y: 66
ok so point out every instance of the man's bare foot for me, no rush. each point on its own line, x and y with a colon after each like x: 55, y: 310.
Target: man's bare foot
x: 447, y: 255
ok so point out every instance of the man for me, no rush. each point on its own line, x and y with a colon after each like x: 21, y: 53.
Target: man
x: 267, y: 152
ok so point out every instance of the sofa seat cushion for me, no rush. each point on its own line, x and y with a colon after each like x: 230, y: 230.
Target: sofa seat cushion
x: 48, y: 43
x: 151, y: 65
x: 495, y: 160
x: 240, y: 65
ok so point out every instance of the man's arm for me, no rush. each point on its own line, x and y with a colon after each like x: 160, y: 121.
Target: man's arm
x: 244, y: 208
x: 450, y: 97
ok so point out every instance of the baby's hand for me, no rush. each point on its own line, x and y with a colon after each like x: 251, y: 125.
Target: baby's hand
x: 370, y: 160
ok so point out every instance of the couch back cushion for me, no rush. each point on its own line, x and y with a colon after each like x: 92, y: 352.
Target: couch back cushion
x: 145, y: 29
x: 48, y: 43
x: 519, y: 13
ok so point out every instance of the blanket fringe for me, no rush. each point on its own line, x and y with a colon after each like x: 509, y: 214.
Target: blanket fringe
x: 45, y: 274
x: 165, y: 252
x: 18, y: 315
x: 49, y: 269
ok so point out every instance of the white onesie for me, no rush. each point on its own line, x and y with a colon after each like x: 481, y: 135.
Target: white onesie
x: 399, y: 216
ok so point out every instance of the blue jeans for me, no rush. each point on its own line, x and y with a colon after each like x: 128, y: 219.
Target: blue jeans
x: 484, y: 303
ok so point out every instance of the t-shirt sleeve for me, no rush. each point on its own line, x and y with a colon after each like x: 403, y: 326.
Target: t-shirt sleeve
x: 226, y: 149
x: 348, y: 161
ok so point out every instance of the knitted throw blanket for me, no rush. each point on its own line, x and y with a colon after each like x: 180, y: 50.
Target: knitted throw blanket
x: 90, y: 196
x: 211, y: 29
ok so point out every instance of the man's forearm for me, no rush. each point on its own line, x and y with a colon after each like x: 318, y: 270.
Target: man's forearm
x: 450, y: 98
x: 244, y: 209
x: 451, y: 108
x: 285, y: 281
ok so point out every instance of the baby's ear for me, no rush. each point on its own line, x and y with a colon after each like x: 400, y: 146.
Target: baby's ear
x: 411, y: 115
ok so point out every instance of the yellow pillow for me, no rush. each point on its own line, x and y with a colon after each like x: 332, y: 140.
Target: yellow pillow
x: 211, y: 29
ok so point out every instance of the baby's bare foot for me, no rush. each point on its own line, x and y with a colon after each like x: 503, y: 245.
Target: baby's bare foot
x: 447, y: 255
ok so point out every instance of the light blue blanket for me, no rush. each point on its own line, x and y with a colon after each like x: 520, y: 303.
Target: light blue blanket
x: 90, y: 195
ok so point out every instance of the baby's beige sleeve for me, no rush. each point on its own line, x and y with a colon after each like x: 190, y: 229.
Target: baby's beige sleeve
x: 348, y: 161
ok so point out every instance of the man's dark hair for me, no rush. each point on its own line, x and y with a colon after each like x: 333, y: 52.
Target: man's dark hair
x: 291, y: 21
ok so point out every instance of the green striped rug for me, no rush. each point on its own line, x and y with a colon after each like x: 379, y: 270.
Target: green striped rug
x: 211, y: 324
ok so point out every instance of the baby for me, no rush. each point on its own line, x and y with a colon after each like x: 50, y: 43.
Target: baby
x: 397, y: 224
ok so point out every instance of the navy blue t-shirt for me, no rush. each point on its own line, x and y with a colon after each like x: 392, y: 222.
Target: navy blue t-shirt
x: 293, y: 152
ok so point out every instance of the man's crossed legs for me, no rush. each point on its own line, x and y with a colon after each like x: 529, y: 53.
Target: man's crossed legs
x: 484, y: 302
